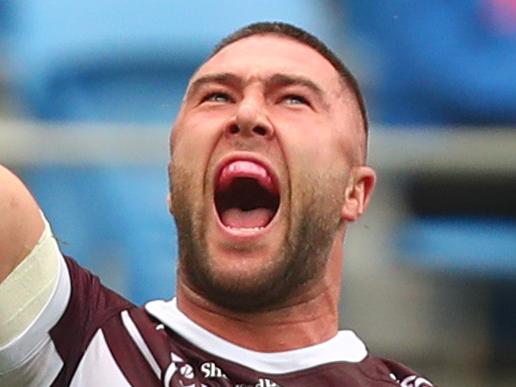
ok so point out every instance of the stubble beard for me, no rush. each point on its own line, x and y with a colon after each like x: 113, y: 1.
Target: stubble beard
x: 300, y: 261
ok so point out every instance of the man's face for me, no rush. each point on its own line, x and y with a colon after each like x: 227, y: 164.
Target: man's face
x: 263, y: 152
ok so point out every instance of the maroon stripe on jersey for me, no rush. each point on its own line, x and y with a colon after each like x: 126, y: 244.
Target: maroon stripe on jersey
x: 127, y: 355
x: 89, y: 306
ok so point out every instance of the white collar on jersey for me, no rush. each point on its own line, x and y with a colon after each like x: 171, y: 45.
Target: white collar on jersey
x: 345, y: 346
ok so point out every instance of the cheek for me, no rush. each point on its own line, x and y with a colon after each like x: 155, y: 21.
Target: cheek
x: 312, y: 150
x: 193, y: 143
x: 318, y: 168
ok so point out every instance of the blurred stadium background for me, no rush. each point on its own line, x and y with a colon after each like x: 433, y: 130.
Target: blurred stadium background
x: 89, y: 89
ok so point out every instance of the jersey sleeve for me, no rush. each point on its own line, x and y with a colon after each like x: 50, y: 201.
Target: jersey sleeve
x: 89, y: 306
x: 48, y: 351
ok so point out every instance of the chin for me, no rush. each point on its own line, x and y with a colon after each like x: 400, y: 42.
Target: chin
x: 242, y: 279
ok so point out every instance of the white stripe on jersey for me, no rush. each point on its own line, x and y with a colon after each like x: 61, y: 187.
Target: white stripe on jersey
x: 40, y: 370
x: 133, y: 331
x: 344, y: 347
x: 98, y: 367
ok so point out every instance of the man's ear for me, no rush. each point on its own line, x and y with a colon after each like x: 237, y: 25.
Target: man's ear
x: 358, y: 192
x: 169, y: 202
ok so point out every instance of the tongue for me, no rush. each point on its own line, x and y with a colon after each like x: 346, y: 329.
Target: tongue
x: 237, y: 218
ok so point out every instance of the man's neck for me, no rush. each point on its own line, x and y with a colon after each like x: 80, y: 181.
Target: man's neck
x: 311, y: 320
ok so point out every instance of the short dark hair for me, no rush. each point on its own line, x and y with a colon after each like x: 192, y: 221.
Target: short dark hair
x: 302, y: 36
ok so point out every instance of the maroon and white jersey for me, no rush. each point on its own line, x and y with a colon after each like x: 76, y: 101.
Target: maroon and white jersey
x: 88, y: 335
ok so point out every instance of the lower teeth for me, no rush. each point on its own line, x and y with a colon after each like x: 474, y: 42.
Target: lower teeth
x: 246, y: 228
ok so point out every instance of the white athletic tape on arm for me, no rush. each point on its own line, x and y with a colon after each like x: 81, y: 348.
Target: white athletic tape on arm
x: 28, y: 288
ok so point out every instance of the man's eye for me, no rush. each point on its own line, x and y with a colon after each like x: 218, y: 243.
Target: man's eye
x: 217, y: 97
x: 295, y: 100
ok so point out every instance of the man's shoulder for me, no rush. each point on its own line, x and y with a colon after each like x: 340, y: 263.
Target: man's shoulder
x: 89, y: 306
x: 378, y: 367
x: 90, y: 295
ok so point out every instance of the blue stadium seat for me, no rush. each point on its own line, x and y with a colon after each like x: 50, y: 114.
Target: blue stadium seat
x: 436, y: 63
x: 471, y: 248
x: 482, y: 247
x: 122, y: 61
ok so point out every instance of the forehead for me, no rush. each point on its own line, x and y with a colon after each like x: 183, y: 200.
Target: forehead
x: 263, y: 55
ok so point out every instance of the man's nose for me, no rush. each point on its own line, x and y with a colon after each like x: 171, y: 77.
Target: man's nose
x: 251, y: 120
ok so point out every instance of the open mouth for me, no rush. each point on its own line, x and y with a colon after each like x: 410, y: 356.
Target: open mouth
x: 246, y: 195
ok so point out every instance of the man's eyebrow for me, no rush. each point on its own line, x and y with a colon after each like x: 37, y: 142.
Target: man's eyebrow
x: 222, y: 78
x: 274, y: 80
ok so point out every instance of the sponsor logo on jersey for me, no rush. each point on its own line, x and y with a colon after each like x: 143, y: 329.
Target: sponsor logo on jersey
x: 415, y: 381
x: 210, y: 370
x: 181, y: 374
x: 266, y: 383
x: 261, y: 383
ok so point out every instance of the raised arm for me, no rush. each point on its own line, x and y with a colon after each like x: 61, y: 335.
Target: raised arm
x: 21, y: 223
